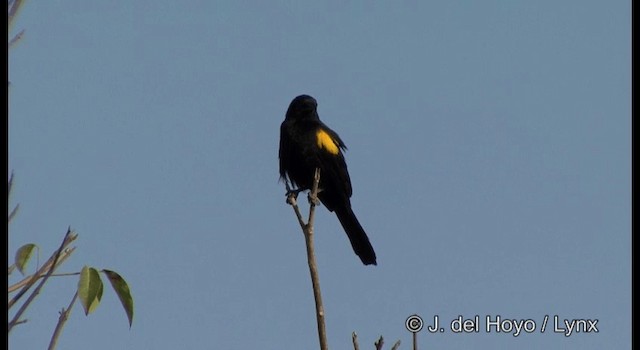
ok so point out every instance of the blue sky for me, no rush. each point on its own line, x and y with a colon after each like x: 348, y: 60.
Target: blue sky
x: 489, y: 151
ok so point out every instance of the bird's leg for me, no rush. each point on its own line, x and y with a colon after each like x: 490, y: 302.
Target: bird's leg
x: 292, y: 195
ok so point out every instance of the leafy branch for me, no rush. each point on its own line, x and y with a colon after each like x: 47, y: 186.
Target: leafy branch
x: 55, y: 260
x: 23, y: 293
x: 89, y: 285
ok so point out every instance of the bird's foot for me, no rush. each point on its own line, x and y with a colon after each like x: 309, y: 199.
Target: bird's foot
x: 292, y: 195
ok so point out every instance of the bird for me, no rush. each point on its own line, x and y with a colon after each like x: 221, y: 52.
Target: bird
x: 306, y: 143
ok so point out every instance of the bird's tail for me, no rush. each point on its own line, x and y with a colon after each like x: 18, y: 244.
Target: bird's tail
x: 359, y: 240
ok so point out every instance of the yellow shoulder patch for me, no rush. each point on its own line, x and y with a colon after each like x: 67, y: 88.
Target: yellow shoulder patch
x: 325, y: 141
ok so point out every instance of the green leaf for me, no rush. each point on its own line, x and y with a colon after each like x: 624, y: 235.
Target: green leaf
x: 90, y: 289
x: 23, y: 255
x: 121, y: 288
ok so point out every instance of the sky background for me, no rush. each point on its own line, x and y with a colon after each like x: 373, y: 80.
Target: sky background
x: 489, y: 151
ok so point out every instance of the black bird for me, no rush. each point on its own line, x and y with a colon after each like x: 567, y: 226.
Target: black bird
x: 306, y: 143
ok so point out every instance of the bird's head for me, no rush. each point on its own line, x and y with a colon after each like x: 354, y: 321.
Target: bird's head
x: 302, y: 107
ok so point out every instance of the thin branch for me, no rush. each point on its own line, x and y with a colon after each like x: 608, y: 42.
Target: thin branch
x: 64, y: 316
x: 21, y: 322
x: 9, y: 186
x: 313, y: 268
x: 14, y: 212
x: 14, y: 6
x: 379, y: 343
x: 26, y: 280
x: 307, y: 229
x: 68, y: 237
x: 65, y: 274
x: 354, y: 339
x: 16, y: 38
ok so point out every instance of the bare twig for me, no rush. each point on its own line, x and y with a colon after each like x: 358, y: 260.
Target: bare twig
x: 68, y: 238
x: 354, y: 339
x: 14, y: 6
x: 21, y: 322
x: 313, y: 268
x: 307, y: 229
x: 16, y: 38
x: 10, y: 184
x: 379, y: 343
x: 64, y: 316
x: 14, y: 212
x: 15, y: 209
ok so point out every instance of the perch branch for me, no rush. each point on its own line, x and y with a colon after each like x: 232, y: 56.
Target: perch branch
x: 307, y: 229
